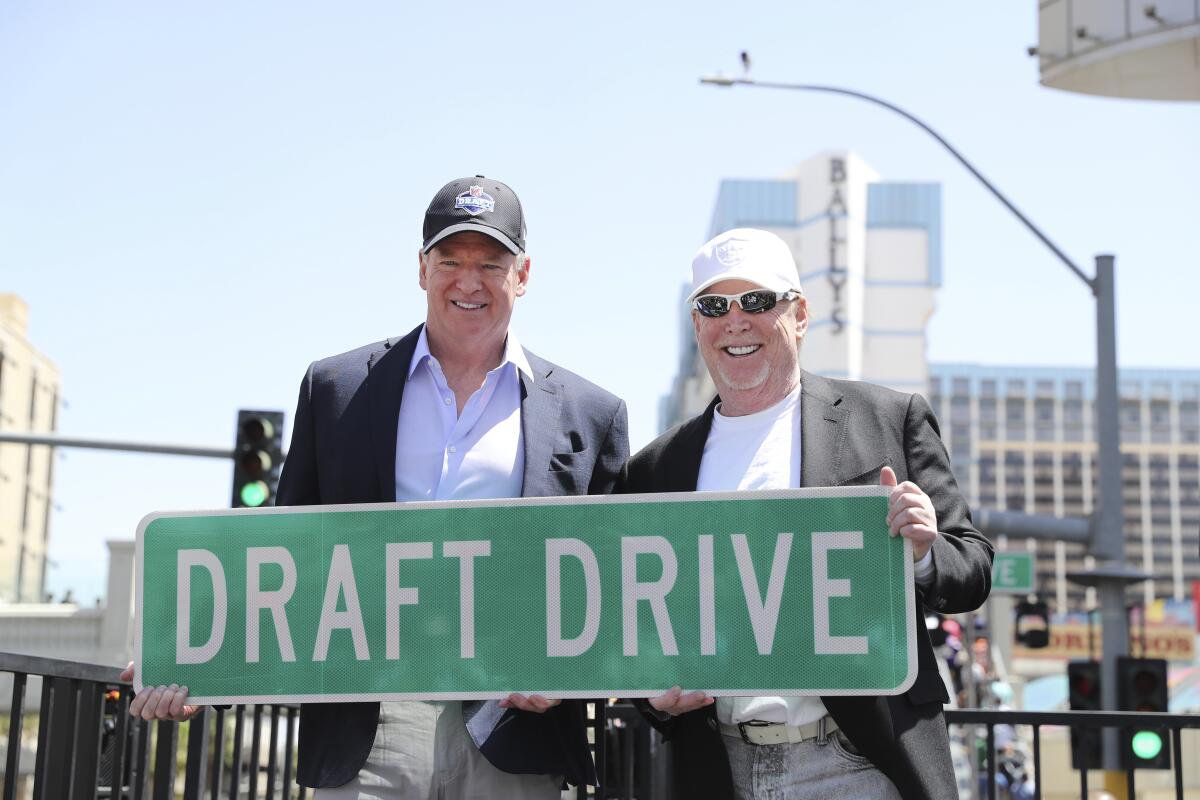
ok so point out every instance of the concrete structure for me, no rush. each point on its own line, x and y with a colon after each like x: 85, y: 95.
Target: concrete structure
x: 95, y: 635
x: 29, y: 392
x: 1121, y: 49
x: 869, y: 257
x: 1021, y: 439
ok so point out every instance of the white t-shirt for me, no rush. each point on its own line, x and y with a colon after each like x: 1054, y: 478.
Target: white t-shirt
x: 758, y: 451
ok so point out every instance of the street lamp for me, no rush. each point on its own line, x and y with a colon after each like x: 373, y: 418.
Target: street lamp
x: 1106, y: 544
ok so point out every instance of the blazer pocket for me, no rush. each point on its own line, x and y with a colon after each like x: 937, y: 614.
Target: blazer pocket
x: 868, y: 478
x: 565, y: 462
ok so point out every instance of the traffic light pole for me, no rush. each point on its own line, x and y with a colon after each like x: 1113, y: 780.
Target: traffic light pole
x: 55, y: 440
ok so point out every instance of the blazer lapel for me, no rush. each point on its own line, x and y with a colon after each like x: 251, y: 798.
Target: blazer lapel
x: 387, y: 373
x: 681, y: 464
x: 541, y: 403
x: 822, y: 432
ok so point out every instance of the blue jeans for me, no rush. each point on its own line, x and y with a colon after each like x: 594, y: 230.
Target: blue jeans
x: 814, y: 768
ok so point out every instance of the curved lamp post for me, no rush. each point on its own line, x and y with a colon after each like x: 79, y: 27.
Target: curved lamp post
x: 1106, y: 543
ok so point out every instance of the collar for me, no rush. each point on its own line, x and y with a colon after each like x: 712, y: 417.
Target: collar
x: 513, y: 354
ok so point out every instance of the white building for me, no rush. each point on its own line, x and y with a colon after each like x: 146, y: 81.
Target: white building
x: 29, y: 391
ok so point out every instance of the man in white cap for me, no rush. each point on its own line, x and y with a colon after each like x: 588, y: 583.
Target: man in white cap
x: 775, y: 426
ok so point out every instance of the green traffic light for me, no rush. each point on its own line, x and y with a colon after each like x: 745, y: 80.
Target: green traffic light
x: 1147, y: 744
x: 254, y: 494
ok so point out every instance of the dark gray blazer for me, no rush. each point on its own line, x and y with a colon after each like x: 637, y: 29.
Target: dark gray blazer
x: 849, y: 431
x: 343, y: 450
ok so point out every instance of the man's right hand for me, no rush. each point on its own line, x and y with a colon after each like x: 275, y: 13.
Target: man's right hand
x: 160, y: 702
x: 675, y: 702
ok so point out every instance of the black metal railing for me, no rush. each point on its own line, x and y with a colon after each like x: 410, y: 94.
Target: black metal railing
x: 1088, y: 724
x: 87, y: 745
x: 639, y: 769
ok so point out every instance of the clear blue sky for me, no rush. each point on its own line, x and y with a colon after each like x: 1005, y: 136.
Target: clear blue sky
x: 196, y: 202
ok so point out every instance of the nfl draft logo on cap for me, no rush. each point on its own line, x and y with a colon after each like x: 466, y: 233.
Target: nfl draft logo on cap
x: 475, y: 201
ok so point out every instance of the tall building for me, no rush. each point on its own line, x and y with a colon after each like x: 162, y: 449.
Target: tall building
x: 29, y: 391
x: 869, y: 256
x: 1020, y: 438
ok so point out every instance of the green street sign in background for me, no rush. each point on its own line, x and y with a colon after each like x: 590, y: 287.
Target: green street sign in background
x: 788, y: 592
x: 1012, y: 573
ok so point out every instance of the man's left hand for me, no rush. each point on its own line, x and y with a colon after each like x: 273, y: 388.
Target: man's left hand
x: 534, y: 703
x: 910, y: 513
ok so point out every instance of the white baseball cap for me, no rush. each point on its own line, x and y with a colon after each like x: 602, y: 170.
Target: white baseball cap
x: 746, y: 254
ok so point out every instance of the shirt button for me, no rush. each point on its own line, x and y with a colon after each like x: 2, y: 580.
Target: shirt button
x: 453, y: 449
x: 447, y: 401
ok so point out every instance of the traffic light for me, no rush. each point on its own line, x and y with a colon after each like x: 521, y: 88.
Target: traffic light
x: 1033, y: 624
x: 1142, y: 686
x: 1083, y: 693
x: 257, y: 456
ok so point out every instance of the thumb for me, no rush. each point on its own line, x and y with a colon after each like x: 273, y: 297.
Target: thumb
x: 887, y: 477
x: 127, y: 673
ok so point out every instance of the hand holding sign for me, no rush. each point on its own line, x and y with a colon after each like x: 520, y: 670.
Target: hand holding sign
x: 675, y: 701
x: 534, y: 703
x: 160, y: 702
x: 910, y: 513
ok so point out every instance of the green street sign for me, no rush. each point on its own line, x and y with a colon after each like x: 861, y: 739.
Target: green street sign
x: 792, y: 592
x: 1012, y: 573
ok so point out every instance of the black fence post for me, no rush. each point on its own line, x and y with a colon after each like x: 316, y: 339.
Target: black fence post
x: 166, y: 743
x: 16, y: 719
x: 85, y: 772
x: 197, y: 757
x: 218, y: 754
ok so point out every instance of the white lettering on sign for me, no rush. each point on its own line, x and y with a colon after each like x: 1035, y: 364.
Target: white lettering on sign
x: 556, y: 643
x: 654, y: 592
x: 185, y: 652
x: 764, y: 614
x: 258, y: 599
x: 825, y: 587
x: 708, y: 600
x: 466, y: 553
x: 395, y: 595
x: 340, y: 583
x: 1007, y: 575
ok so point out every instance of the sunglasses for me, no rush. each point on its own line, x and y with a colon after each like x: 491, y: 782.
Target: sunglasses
x: 755, y: 302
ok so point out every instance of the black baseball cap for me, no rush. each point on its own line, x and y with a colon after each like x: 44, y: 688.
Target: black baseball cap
x: 475, y: 204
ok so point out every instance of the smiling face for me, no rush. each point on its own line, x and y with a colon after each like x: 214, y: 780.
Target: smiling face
x: 471, y: 282
x: 754, y: 359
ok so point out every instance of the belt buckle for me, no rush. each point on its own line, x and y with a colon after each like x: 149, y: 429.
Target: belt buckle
x: 751, y: 724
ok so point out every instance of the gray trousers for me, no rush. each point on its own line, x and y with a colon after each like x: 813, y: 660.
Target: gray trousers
x: 815, y: 768
x: 422, y: 751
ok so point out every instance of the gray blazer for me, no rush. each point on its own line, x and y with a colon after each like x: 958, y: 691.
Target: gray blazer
x: 849, y: 431
x: 343, y: 450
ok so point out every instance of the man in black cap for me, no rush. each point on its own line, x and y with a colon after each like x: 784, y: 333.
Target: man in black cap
x: 454, y: 410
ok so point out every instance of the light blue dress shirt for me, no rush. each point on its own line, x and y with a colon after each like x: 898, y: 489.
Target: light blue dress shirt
x: 444, y: 455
